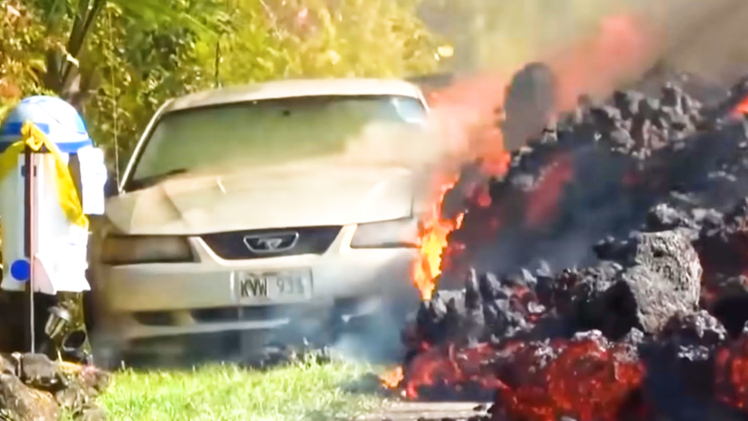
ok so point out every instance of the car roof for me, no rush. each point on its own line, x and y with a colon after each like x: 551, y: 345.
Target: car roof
x: 294, y: 88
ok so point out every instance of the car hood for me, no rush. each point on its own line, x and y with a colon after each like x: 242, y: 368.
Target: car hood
x: 291, y: 195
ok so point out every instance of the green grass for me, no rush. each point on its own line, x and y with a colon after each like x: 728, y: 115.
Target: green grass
x: 304, y: 391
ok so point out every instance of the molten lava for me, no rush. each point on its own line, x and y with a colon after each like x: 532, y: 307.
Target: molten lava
x: 543, y: 201
x: 731, y: 374
x: 587, y: 379
x: 451, y: 367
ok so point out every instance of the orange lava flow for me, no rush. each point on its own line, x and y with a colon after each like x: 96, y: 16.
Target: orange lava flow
x: 543, y: 201
x: 585, y: 380
x: 451, y: 366
x: 731, y: 374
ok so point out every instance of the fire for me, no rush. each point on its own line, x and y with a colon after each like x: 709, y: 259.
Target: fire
x: 435, y: 230
x: 585, y: 378
x: 540, y: 374
x: 741, y: 109
x: 392, y: 378
x: 465, y: 113
x: 469, y: 107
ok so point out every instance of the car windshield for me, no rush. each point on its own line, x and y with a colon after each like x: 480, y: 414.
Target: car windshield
x: 264, y: 132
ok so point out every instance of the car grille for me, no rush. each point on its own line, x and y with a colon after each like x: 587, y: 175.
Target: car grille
x: 257, y: 244
x: 245, y: 314
x: 222, y: 314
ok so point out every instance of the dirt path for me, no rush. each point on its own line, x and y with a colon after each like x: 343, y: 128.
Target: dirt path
x: 411, y: 411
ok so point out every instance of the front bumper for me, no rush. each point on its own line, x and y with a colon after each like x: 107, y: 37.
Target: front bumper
x: 176, y: 299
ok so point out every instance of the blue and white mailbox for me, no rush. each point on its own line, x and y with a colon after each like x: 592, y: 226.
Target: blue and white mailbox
x: 43, y: 210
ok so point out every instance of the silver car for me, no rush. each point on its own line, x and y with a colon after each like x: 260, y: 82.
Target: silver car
x: 248, y: 213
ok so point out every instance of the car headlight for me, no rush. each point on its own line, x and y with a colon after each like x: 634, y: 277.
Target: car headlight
x: 126, y: 250
x: 393, y: 233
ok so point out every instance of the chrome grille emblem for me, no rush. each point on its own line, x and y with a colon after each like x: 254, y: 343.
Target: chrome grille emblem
x: 271, y: 243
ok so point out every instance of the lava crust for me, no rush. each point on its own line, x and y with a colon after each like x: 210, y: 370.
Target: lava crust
x: 605, y: 276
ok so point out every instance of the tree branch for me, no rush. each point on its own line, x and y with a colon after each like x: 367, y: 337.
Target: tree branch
x: 87, y: 14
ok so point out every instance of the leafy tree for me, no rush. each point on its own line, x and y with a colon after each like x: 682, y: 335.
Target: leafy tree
x: 69, y: 23
x: 21, y: 40
x: 249, y: 41
x: 118, y: 60
x: 128, y: 84
x: 317, y: 38
x: 51, y: 46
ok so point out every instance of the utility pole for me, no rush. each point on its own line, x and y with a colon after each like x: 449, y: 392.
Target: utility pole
x: 217, y: 64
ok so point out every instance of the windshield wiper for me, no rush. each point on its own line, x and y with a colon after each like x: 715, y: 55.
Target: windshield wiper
x: 144, y: 182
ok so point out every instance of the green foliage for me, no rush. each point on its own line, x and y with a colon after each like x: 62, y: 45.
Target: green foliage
x: 251, y: 41
x: 302, y: 391
x: 377, y: 38
x: 131, y: 83
x: 21, y: 62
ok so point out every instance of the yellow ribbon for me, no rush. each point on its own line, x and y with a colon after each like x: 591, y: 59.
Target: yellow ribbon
x: 67, y: 193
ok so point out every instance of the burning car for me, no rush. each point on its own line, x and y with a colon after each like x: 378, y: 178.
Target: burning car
x: 254, y: 212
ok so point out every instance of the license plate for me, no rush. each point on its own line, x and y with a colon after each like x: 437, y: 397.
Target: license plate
x: 278, y: 285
